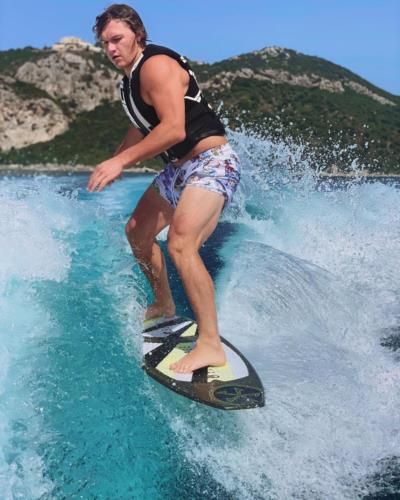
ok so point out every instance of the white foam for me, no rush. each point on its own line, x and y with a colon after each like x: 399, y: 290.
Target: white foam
x: 327, y: 421
x: 307, y: 301
x: 27, y: 246
x: 31, y: 249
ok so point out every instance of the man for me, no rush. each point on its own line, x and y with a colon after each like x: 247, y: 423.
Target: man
x: 170, y: 117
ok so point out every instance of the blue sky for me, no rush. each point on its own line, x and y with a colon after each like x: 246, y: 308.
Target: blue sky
x: 361, y: 35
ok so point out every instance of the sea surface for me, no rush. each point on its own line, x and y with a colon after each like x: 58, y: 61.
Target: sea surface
x: 308, y: 287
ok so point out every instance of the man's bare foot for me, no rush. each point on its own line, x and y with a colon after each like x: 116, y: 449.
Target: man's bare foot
x: 156, y: 310
x: 205, y: 353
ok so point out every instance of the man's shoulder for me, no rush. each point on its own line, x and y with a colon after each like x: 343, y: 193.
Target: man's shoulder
x: 155, y: 47
x: 153, y: 50
x: 159, y: 68
x: 158, y: 57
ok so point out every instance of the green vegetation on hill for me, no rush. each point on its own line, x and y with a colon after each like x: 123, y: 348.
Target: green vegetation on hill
x: 315, y: 116
x: 29, y: 91
x: 11, y: 60
x: 320, y: 118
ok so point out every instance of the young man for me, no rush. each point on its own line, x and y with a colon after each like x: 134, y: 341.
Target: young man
x: 171, y: 118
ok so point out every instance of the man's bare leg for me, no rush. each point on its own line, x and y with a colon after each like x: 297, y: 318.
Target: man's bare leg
x: 195, y: 218
x: 151, y: 215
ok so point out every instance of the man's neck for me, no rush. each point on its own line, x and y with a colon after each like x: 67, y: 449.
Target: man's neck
x: 138, y: 54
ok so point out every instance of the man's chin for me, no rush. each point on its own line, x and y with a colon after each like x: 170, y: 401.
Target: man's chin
x: 118, y: 63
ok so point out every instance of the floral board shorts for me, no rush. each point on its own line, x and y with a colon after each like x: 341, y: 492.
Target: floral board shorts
x: 217, y: 170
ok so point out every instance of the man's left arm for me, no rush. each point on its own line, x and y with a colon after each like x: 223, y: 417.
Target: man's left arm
x: 162, y: 86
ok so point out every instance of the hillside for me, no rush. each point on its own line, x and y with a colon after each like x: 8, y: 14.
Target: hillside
x: 59, y: 105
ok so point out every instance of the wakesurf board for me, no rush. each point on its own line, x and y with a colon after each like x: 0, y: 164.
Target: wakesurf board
x: 233, y: 386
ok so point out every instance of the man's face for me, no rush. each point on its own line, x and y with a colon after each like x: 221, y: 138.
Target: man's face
x: 120, y: 44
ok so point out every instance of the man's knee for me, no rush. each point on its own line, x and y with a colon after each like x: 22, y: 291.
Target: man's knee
x: 134, y: 232
x: 130, y: 228
x: 140, y: 242
x: 179, y: 242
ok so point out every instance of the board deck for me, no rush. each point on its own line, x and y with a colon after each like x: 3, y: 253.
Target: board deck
x: 234, y: 386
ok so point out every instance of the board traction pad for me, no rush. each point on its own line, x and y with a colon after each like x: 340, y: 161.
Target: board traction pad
x: 234, y: 385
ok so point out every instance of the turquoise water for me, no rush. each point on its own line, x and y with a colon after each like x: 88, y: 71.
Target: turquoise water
x: 307, y: 283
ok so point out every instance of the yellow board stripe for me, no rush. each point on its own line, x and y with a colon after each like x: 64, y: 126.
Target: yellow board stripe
x: 151, y: 321
x: 190, y: 332
x: 222, y: 373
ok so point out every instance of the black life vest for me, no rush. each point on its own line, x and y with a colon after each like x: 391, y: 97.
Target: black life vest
x: 200, y: 120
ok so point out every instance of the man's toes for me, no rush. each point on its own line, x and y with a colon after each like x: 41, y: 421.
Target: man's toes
x: 175, y: 366
x: 186, y: 368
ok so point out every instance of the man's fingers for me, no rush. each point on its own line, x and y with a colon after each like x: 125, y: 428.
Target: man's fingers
x: 94, y: 181
x: 102, y: 182
x: 94, y: 178
x: 93, y: 185
x: 100, y: 178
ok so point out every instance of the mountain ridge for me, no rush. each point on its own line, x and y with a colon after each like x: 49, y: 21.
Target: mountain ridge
x: 47, y: 93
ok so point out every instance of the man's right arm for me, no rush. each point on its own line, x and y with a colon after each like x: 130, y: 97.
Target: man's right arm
x: 132, y: 137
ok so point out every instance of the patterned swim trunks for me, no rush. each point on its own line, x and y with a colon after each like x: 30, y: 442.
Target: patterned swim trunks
x: 217, y: 170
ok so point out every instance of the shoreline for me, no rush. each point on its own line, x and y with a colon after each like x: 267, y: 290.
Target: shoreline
x: 56, y: 169
x: 358, y: 175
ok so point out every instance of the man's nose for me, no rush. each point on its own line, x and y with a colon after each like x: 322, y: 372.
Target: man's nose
x: 111, y: 48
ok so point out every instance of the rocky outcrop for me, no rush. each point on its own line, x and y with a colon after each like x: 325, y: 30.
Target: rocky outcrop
x: 360, y: 89
x: 273, y: 51
x: 73, y: 81
x: 72, y: 43
x: 27, y: 121
x: 225, y: 79
x: 72, y: 78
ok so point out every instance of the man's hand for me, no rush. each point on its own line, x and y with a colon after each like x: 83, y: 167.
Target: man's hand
x: 104, y: 174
